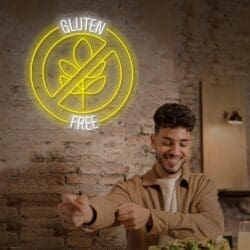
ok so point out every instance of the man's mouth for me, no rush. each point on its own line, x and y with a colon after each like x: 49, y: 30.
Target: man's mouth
x: 173, y: 160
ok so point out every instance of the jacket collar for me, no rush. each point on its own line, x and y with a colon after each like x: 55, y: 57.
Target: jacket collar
x: 152, y: 176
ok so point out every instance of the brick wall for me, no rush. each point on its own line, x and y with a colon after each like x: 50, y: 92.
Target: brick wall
x: 178, y: 44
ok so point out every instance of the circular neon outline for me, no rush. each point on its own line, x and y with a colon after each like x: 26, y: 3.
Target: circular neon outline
x: 30, y: 66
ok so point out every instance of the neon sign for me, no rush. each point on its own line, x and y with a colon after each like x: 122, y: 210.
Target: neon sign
x: 81, y: 72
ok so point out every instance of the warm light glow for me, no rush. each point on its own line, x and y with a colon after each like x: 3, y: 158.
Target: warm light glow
x: 87, y: 70
x: 235, y: 122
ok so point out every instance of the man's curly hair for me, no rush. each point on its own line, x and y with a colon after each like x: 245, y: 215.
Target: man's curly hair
x: 174, y: 115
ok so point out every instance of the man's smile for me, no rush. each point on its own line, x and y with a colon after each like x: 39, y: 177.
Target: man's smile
x: 172, y: 160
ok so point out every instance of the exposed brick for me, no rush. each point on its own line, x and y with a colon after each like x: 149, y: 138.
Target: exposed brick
x: 52, y: 156
x: 59, y: 230
x: 3, y: 226
x: 7, y: 238
x: 55, y: 179
x: 46, y: 243
x: 210, y: 42
x: 38, y: 212
x: 33, y: 200
x: 103, y: 168
x: 33, y: 177
x: 7, y: 213
x: 64, y: 169
x: 31, y: 223
x: 14, y: 224
x: 138, y: 139
x: 22, y: 246
x: 90, y: 168
x: 147, y: 129
x: 80, y: 239
x: 2, y: 201
x: 14, y: 200
x: 31, y: 235
x: 132, y: 128
x: 110, y: 180
x: 113, y: 168
x: 78, y: 179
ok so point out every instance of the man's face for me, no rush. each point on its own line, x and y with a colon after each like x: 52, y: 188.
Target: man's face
x: 172, y: 148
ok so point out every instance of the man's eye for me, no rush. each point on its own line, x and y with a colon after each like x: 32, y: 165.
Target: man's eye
x: 166, y: 143
x: 184, y: 144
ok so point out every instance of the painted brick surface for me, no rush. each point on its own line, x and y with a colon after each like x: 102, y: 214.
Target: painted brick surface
x: 178, y: 44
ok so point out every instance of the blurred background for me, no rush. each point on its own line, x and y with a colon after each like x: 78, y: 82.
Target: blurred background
x: 192, y: 52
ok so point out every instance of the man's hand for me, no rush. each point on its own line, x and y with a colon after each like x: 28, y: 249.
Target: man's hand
x: 133, y: 216
x: 74, y: 210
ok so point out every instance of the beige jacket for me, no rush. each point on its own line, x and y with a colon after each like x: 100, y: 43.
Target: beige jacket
x: 199, y: 214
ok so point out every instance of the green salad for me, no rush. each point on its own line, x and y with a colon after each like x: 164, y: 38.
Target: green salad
x: 187, y: 244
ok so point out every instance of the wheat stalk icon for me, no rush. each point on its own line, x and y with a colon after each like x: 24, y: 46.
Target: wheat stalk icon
x: 93, y: 82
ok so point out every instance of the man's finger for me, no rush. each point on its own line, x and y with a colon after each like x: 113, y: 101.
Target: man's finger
x: 77, y: 206
x: 69, y: 214
x: 125, y: 208
x: 122, y: 218
x: 70, y: 209
x: 129, y: 223
x: 60, y: 205
x: 83, y: 200
x: 68, y: 197
x: 124, y: 211
x: 125, y: 205
x: 73, y: 204
x: 129, y: 220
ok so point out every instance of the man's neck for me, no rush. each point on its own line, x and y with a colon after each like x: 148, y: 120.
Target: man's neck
x: 162, y: 174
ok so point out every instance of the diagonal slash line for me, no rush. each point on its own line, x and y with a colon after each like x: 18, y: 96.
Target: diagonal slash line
x: 66, y: 89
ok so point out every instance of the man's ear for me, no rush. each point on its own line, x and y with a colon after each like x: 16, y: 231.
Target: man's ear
x: 153, y: 141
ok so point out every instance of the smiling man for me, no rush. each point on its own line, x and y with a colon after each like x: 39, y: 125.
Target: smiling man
x: 168, y: 202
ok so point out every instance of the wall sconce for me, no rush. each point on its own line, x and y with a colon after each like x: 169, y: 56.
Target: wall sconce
x: 234, y: 118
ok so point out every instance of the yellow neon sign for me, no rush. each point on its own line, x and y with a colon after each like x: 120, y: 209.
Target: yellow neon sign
x: 82, y: 68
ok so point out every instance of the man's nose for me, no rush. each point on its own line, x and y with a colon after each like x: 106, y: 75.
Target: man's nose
x: 175, y: 149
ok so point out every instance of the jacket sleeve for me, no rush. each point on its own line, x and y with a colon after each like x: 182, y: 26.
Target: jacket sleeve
x: 107, y: 206
x: 204, y: 219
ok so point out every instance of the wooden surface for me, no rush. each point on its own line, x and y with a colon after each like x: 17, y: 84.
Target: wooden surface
x: 224, y: 145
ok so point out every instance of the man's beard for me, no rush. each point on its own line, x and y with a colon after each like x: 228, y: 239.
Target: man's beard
x: 169, y: 170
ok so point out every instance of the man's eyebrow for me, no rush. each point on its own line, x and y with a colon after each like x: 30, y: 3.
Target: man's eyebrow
x: 167, y: 138
x: 172, y: 139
